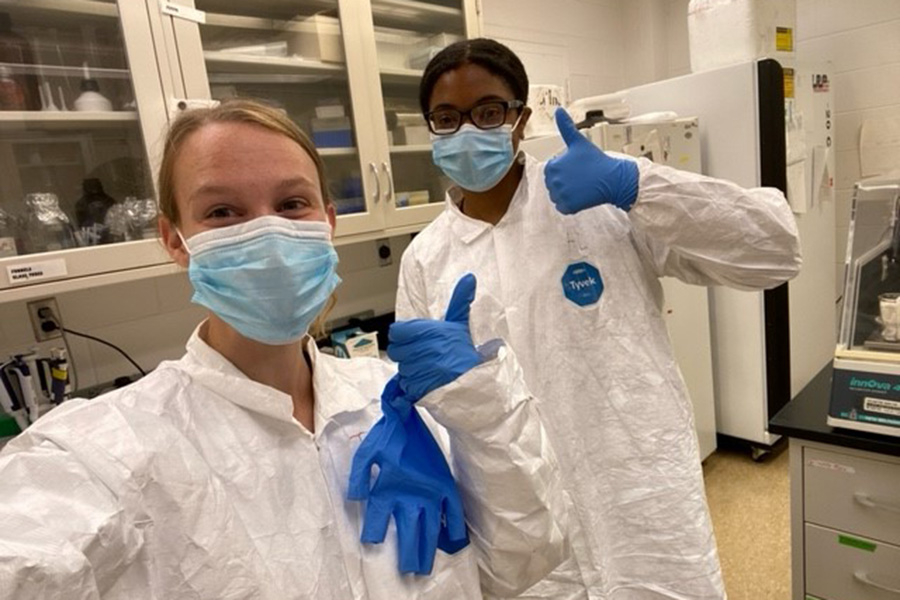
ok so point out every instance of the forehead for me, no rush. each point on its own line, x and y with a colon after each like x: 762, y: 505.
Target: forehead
x: 467, y: 85
x: 240, y: 151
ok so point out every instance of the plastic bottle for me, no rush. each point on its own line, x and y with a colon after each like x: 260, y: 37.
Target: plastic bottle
x: 12, y: 96
x: 91, y: 98
x: 90, y: 212
x: 15, y: 49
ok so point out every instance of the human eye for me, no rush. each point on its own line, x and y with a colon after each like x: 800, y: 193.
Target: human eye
x: 220, y: 213
x: 489, y: 114
x: 444, y: 120
x: 294, y: 205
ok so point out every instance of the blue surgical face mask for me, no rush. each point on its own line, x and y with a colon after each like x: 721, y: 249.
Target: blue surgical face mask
x: 267, y: 278
x: 475, y: 159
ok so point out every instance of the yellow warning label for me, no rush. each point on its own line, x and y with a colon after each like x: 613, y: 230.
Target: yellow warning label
x: 784, y: 39
x: 788, y: 83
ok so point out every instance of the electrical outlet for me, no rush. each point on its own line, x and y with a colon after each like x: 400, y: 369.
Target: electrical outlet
x: 34, y: 310
x: 383, y: 246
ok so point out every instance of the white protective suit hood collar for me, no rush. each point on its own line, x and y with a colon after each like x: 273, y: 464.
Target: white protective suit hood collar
x: 216, y: 373
x: 468, y: 229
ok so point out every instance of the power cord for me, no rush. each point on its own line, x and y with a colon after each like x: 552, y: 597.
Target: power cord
x: 50, y: 324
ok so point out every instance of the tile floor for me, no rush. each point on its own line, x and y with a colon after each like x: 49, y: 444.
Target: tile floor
x: 750, y: 506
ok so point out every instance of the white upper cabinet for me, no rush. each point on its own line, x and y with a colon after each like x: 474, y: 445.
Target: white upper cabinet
x: 87, y: 88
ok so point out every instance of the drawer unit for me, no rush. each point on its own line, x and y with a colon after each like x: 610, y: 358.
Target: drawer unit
x: 841, y: 566
x: 851, y: 493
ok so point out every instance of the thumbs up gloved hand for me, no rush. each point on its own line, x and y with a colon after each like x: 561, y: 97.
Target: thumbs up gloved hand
x: 433, y: 353
x: 584, y: 176
x: 414, y: 485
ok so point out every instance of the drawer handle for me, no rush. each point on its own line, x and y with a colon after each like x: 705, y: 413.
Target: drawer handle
x: 864, y: 578
x: 867, y: 501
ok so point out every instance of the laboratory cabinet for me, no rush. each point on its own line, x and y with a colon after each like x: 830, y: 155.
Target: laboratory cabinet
x: 87, y: 88
x: 845, y: 501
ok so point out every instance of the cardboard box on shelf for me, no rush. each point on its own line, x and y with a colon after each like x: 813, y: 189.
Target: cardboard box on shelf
x: 412, y: 198
x: 330, y: 111
x: 317, y: 37
x: 332, y: 133
x: 412, y: 135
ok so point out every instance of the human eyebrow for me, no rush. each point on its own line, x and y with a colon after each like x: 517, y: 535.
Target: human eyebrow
x: 482, y: 100
x: 296, y: 182
x: 210, y: 190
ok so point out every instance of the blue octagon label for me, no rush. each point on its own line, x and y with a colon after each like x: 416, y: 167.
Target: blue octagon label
x: 582, y: 284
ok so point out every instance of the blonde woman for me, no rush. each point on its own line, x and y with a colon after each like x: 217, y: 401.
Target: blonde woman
x: 224, y: 474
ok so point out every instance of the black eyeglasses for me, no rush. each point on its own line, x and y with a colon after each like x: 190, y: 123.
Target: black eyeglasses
x: 488, y: 115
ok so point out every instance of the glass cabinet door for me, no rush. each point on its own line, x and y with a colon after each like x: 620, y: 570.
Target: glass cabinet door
x: 291, y: 54
x: 73, y: 163
x: 408, y: 33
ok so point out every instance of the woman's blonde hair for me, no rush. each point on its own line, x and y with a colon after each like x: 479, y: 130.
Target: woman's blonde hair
x: 251, y: 112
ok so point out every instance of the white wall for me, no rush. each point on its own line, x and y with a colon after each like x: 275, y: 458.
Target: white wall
x: 574, y: 43
x: 862, y: 41
x: 152, y: 318
x: 593, y: 47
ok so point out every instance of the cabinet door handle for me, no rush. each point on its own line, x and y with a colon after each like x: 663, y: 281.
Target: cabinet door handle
x: 390, y: 181
x: 867, y: 501
x: 864, y: 578
x: 377, y: 195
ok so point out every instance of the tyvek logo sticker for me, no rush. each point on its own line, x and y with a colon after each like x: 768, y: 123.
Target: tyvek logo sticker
x: 582, y: 283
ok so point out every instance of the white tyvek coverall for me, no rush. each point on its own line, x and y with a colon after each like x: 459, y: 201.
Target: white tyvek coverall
x: 610, y: 392
x: 196, y: 482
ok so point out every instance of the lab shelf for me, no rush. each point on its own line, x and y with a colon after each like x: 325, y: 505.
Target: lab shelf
x: 423, y: 16
x: 61, y: 71
x: 402, y: 76
x: 338, y: 151
x: 411, y: 149
x: 61, y: 120
x: 218, y: 61
x: 220, y: 12
x: 51, y: 12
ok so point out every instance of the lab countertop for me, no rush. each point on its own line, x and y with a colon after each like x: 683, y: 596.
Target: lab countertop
x: 804, y: 418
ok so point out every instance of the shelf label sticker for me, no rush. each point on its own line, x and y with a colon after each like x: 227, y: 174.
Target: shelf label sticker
x: 36, y: 271
x: 831, y: 466
x: 183, y: 12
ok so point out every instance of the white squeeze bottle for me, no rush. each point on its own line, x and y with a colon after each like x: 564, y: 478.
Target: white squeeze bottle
x: 91, y: 98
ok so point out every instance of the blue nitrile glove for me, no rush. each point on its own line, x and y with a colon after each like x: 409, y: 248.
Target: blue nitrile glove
x: 585, y: 176
x: 432, y: 353
x: 414, y: 484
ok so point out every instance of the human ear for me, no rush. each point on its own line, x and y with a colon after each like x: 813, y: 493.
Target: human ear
x: 172, y: 242
x: 331, y: 215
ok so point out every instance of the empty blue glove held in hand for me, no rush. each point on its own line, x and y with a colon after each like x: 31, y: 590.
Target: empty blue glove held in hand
x: 585, y: 176
x: 433, y: 353
x: 414, y: 485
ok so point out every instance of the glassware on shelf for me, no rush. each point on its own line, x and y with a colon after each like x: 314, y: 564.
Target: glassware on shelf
x: 15, y: 50
x: 47, y: 227
x: 8, y: 234
x: 12, y: 96
x: 141, y: 215
x: 90, y: 214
